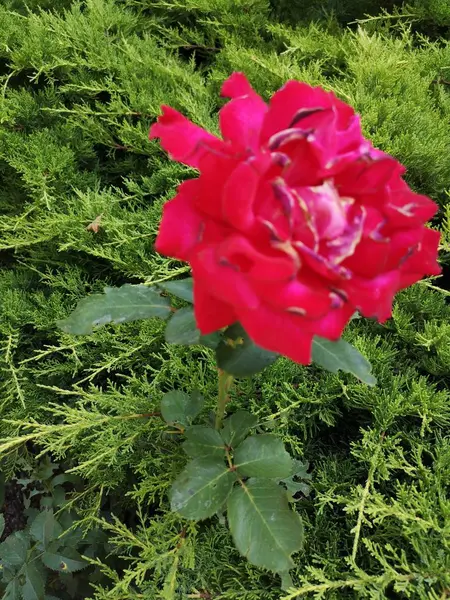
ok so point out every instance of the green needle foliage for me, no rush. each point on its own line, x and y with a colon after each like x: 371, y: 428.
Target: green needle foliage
x: 81, y: 192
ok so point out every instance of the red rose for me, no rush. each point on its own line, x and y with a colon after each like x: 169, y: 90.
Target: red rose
x: 295, y: 221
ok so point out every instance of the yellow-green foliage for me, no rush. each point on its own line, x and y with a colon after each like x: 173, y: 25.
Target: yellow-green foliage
x: 80, y: 86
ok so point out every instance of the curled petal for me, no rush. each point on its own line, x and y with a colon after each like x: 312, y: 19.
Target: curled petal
x: 181, y: 225
x: 309, y: 297
x: 402, y: 245
x: 423, y: 259
x: 406, y: 209
x: 306, y: 167
x: 346, y: 114
x: 277, y: 331
x: 216, y: 168
x: 182, y: 139
x: 351, y: 139
x: 321, y: 266
x: 346, y: 244
x: 239, y: 192
x: 332, y: 325
x: 211, y: 314
x: 241, y: 119
x: 373, y: 297
x: 367, y: 178
x: 286, y: 136
x: 223, y: 281
x: 239, y: 253
x: 286, y: 103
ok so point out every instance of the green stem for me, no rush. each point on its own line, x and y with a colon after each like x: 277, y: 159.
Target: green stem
x: 225, y: 381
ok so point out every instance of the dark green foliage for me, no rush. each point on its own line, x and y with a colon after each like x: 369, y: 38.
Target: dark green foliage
x: 81, y: 191
x: 264, y: 528
x: 46, y: 556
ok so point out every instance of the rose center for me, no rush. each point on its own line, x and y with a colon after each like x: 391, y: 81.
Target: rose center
x: 329, y: 210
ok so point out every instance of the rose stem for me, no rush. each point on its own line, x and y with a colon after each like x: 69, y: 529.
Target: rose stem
x: 225, y: 382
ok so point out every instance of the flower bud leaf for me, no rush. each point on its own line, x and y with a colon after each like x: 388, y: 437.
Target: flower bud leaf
x: 238, y: 355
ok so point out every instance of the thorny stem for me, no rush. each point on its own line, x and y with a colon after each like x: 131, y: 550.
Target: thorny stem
x: 225, y: 382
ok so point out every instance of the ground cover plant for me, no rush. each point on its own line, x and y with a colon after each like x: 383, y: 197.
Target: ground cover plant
x: 81, y: 194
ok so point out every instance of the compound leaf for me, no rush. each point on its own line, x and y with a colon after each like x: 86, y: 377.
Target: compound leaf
x: 340, y: 355
x: 181, y: 288
x: 34, y: 585
x: 236, y: 427
x: 116, y: 305
x: 65, y: 560
x: 203, y: 441
x: 263, y: 526
x: 45, y: 528
x: 262, y: 456
x: 179, y: 407
x: 13, y: 551
x: 202, y: 488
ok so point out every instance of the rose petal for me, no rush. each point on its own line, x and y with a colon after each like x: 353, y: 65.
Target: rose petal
x: 332, y: 325
x: 211, y: 314
x: 216, y: 169
x: 351, y: 141
x: 285, y: 103
x: 346, y: 114
x: 365, y: 178
x: 278, y: 332
x: 373, y: 297
x: 423, y: 259
x: 271, y: 214
x: 402, y: 245
x: 406, y: 209
x: 181, y: 224
x: 369, y: 258
x: 321, y: 266
x: 407, y: 279
x: 239, y: 192
x: 223, y: 281
x: 306, y: 167
x: 238, y: 252
x: 241, y: 119
x: 184, y: 141
x: 236, y: 85
x: 307, y: 296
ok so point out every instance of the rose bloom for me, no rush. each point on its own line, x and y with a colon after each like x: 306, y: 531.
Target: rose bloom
x: 295, y: 221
